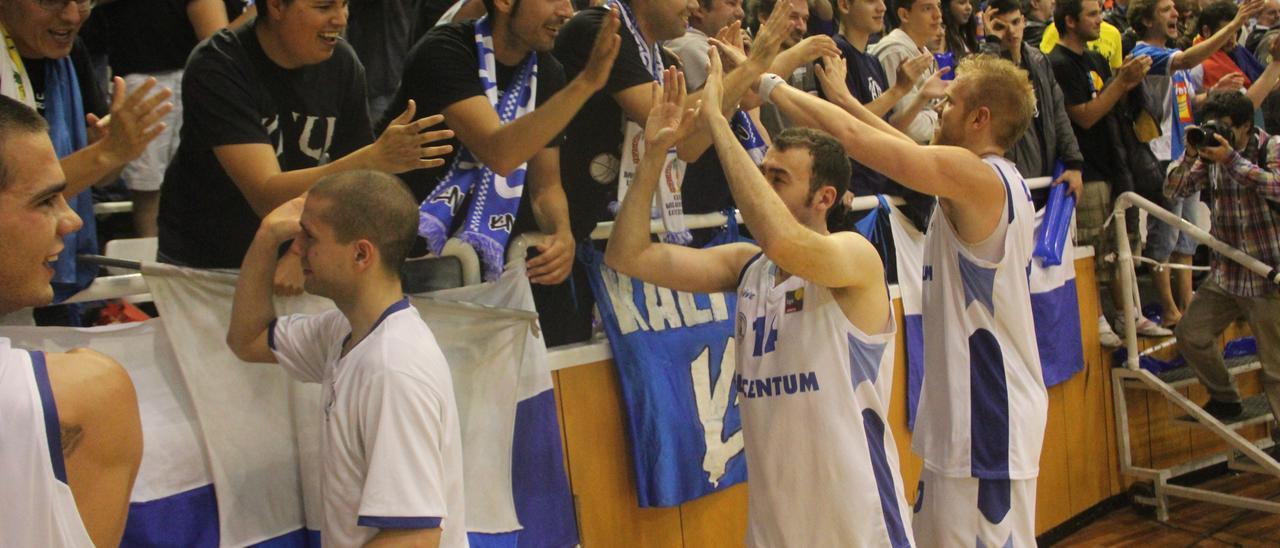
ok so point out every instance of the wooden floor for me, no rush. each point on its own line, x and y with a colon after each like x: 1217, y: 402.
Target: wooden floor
x: 1192, y: 523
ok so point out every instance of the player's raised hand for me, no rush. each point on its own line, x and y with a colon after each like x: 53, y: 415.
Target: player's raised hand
x: 668, y: 119
x: 284, y: 222
x: 403, y: 145
x: 710, y: 105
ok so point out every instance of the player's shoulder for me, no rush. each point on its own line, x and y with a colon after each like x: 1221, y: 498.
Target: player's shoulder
x: 405, y: 343
x: 87, y: 381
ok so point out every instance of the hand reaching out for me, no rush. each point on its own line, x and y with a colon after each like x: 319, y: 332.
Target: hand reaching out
x: 769, y: 40
x: 832, y: 74
x: 1133, y: 71
x: 403, y: 145
x: 935, y: 87
x: 1231, y: 82
x: 134, y: 120
x: 710, y: 107
x: 731, y: 56
x: 910, y: 71
x: 668, y: 118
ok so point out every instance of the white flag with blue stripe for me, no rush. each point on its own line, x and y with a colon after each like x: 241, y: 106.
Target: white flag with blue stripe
x: 516, y: 487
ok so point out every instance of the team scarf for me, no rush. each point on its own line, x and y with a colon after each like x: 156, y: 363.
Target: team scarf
x: 494, y: 198
x: 14, y: 82
x: 671, y: 206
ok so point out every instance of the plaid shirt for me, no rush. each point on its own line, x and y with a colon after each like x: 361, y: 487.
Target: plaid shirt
x: 1242, y: 216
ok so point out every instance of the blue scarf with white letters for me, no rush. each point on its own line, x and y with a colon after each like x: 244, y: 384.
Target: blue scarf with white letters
x: 494, y: 198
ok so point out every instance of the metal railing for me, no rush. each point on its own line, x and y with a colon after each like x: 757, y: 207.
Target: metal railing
x: 1243, y: 454
x: 126, y: 285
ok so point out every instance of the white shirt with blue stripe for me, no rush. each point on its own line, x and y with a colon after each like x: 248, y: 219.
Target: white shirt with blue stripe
x: 36, y: 506
x: 392, y: 447
x: 983, y: 404
x: 813, y: 392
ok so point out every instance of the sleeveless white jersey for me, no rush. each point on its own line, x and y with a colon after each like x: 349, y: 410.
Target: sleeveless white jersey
x: 983, y: 402
x: 36, y: 507
x: 813, y: 392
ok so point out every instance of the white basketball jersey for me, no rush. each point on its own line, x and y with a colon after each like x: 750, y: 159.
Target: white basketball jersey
x: 392, y: 442
x: 983, y: 402
x: 36, y: 507
x: 813, y: 392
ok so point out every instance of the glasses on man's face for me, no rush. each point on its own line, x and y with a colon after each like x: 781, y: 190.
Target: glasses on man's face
x: 58, y: 6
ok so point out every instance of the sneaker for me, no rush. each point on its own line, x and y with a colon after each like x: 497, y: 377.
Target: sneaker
x: 1148, y: 328
x: 1106, y: 335
x: 1223, y: 410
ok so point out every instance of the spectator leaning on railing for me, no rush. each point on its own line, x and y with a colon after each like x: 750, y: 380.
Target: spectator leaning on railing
x: 1241, y: 166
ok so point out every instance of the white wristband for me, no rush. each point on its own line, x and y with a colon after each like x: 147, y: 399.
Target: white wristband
x: 767, y: 83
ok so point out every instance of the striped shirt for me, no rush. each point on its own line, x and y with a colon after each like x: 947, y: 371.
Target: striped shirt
x: 1242, y: 216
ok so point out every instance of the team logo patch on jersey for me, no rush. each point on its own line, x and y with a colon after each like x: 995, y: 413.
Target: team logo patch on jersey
x: 795, y: 301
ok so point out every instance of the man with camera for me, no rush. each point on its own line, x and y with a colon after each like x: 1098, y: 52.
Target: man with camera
x: 1241, y: 166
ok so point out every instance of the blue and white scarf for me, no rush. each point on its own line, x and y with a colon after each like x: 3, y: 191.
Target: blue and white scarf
x: 671, y: 206
x: 745, y: 129
x: 494, y: 198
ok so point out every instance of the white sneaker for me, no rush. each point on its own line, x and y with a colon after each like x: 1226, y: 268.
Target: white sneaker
x: 1106, y: 335
x: 1148, y: 328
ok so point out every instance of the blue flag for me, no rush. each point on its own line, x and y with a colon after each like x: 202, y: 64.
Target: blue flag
x: 675, y: 358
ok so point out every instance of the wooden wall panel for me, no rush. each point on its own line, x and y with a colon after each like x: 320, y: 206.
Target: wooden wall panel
x: 1053, y: 490
x: 600, y: 466
x: 1086, y: 396
x: 717, y: 520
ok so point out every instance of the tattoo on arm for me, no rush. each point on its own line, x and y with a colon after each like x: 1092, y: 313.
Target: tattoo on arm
x: 71, y: 437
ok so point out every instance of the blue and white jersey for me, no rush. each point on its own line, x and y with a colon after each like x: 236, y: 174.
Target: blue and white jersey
x: 392, y: 446
x: 983, y: 403
x: 813, y: 391
x: 36, y: 508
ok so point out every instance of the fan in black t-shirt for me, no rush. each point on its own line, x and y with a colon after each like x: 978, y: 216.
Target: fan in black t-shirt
x: 441, y: 75
x: 1091, y: 95
x: 271, y: 107
x: 590, y: 157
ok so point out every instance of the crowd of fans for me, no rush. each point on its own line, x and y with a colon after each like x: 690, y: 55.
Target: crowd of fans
x: 220, y: 112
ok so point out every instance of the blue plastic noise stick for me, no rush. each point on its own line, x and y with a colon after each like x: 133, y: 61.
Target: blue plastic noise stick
x: 1052, y: 233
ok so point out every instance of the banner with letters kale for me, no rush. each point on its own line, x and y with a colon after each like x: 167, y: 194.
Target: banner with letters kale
x: 675, y: 357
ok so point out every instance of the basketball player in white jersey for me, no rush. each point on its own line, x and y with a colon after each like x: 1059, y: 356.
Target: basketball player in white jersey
x: 983, y: 404
x: 814, y: 331
x: 70, y: 436
x: 392, y: 446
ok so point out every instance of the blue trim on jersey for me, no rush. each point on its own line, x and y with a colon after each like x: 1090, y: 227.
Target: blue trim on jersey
x: 1008, y: 190
x: 995, y: 499
x: 395, y: 307
x: 743, y: 273
x: 864, y: 361
x: 988, y: 407
x: 52, y: 430
x: 384, y: 522
x: 919, y: 498
x: 271, y: 334
x: 979, y: 283
x: 873, y: 427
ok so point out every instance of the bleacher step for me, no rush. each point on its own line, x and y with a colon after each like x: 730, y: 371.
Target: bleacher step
x: 1256, y: 411
x: 1185, y: 376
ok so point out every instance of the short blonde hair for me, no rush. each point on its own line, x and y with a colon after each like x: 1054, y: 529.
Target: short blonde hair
x: 1006, y: 91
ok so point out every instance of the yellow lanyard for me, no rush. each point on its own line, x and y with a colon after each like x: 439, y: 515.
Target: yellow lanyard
x: 19, y: 70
